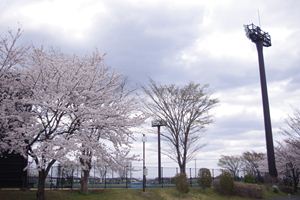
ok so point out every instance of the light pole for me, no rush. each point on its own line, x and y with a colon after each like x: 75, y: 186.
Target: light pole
x: 144, y: 139
x: 158, y: 123
x: 263, y: 39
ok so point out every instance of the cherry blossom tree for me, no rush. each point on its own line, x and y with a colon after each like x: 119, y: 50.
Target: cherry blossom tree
x: 292, y: 129
x: 12, y: 56
x: 74, y: 102
x: 288, y: 163
x: 106, y: 133
x: 288, y: 151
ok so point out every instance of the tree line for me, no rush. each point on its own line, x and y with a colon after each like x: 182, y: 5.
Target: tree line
x: 287, y: 153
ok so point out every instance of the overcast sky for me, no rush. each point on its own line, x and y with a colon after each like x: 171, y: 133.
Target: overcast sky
x: 178, y: 42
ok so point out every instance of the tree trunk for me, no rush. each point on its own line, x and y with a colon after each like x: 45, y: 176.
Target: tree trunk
x: 40, y: 195
x: 84, y: 181
x: 182, y: 168
x: 295, y: 177
x: 296, y: 181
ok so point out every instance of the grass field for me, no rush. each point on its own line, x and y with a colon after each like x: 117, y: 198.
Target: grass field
x: 124, y: 194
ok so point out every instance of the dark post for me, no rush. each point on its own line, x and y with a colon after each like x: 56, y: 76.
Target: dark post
x: 162, y: 180
x: 126, y: 176
x: 261, y: 39
x: 159, y: 155
x: 144, y: 167
x: 51, y: 181
x: 191, y: 177
x: 105, y: 177
x: 94, y: 184
x: 195, y: 168
x: 158, y: 124
x: 72, y: 179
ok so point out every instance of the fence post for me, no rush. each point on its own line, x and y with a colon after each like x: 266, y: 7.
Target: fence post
x: 77, y: 175
x: 191, y: 177
x: 58, y: 176
x: 62, y: 178
x: 112, y: 177
x: 51, y: 181
x: 126, y: 176
x: 105, y: 178
x: 27, y: 174
x: 162, y: 177
x: 94, y: 177
x: 130, y: 172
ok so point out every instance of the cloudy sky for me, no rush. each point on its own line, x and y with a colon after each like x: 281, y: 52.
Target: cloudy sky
x: 178, y: 42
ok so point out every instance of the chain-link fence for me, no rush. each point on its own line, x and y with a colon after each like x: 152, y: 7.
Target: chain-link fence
x: 124, y: 177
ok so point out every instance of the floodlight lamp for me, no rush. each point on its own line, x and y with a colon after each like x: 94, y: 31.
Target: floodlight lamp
x: 256, y: 35
x: 158, y: 122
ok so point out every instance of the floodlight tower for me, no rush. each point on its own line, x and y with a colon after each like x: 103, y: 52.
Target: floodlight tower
x: 263, y: 39
x: 158, y: 123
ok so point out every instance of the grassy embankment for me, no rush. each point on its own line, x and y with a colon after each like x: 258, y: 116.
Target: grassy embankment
x: 126, y: 194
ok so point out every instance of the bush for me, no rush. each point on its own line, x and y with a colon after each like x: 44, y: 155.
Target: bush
x: 225, y: 184
x: 204, y: 178
x: 286, y: 186
x: 275, y: 188
x: 248, y: 190
x: 286, y: 189
x: 181, y: 183
x: 249, y: 178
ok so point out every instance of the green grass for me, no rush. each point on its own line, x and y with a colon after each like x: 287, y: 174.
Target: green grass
x: 125, y: 194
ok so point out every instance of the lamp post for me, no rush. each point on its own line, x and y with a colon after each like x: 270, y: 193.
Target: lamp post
x: 144, y: 139
x: 158, y: 123
x: 263, y: 39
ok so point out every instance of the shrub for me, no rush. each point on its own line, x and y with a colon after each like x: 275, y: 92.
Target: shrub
x: 249, y: 178
x: 286, y: 189
x: 181, y: 183
x: 204, y: 178
x: 286, y: 186
x: 225, y: 184
x: 275, y: 188
x: 248, y: 190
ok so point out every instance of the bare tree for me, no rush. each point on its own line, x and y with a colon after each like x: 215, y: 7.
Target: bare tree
x: 252, y: 161
x: 231, y: 163
x: 186, y: 113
